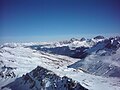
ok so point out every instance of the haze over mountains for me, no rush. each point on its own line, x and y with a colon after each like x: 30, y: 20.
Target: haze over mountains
x: 75, y: 64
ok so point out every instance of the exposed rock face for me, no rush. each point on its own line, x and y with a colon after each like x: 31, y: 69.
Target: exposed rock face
x: 99, y: 37
x: 7, y: 72
x: 43, y: 79
x: 82, y: 39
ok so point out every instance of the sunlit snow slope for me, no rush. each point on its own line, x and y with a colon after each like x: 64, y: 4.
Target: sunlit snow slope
x: 17, y: 59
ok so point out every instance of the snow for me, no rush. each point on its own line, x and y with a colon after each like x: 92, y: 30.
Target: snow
x: 73, y: 44
x: 24, y: 60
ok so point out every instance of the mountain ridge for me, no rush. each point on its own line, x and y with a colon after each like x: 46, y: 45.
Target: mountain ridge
x: 92, y: 62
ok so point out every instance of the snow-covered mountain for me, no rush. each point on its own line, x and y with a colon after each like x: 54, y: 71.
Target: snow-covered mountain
x: 43, y: 79
x: 73, y: 47
x: 102, y: 59
x: 80, y: 62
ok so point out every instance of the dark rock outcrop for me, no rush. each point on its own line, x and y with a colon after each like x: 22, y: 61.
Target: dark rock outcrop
x: 99, y: 37
x: 43, y: 79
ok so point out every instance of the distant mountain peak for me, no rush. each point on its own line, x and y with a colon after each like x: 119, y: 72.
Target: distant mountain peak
x: 82, y: 39
x: 73, y: 39
x: 99, y: 37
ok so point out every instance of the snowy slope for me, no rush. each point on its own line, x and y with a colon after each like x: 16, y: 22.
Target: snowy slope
x: 43, y: 79
x: 17, y: 59
x: 102, y: 59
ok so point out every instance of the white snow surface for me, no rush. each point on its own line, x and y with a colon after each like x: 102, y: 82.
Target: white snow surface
x: 73, y: 44
x: 25, y: 60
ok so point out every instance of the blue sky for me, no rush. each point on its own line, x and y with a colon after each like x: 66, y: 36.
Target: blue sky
x: 46, y: 20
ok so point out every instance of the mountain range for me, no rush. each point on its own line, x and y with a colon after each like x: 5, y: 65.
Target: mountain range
x: 75, y: 64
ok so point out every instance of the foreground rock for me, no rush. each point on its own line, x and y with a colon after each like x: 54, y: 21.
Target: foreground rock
x: 43, y: 79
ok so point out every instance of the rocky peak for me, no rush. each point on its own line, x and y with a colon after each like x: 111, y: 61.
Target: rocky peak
x: 82, y: 39
x: 43, y: 79
x: 73, y: 39
x: 99, y: 37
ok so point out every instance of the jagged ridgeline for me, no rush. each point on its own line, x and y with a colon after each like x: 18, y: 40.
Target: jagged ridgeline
x: 43, y: 79
x: 76, y: 48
